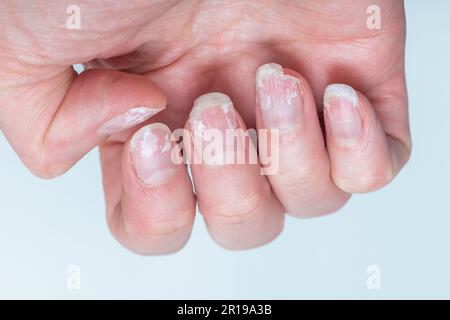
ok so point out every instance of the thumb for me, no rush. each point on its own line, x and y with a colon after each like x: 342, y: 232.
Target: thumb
x: 53, y: 123
x: 51, y: 115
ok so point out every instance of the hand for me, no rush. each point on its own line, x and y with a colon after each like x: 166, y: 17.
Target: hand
x: 188, y: 48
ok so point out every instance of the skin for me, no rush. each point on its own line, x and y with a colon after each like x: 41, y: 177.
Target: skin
x: 167, y: 53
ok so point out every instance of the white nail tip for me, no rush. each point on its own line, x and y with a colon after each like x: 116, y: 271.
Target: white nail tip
x: 271, y: 70
x: 213, y: 99
x: 128, y: 119
x: 342, y: 91
x: 266, y: 71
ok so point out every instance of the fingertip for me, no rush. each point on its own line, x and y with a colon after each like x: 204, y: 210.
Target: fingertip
x: 301, y: 179
x: 143, y: 238
x: 150, y: 203
x: 359, y: 153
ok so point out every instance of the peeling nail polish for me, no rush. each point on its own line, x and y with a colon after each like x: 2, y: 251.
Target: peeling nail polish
x: 341, y: 106
x: 128, y: 119
x: 150, y: 149
x: 279, y: 97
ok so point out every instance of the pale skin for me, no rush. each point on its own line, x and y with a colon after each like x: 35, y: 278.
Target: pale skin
x: 163, y: 55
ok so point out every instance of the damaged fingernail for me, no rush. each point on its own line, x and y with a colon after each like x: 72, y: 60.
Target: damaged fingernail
x: 128, y: 119
x: 279, y: 97
x: 211, y: 120
x: 151, y: 148
x: 341, y: 107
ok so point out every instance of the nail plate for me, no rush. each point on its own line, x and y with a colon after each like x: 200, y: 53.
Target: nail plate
x: 128, y: 119
x: 212, y: 119
x: 279, y: 97
x: 150, y: 149
x: 341, y: 106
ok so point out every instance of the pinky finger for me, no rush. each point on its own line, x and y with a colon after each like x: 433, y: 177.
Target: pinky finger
x: 363, y: 158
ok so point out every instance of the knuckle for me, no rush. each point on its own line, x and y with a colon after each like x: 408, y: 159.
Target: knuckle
x: 145, y: 237
x: 316, y: 206
x: 369, y: 174
x: 364, y: 183
x: 303, y: 181
x: 41, y: 164
x: 242, y: 211
x: 304, y: 177
x: 144, y: 227
x: 304, y: 173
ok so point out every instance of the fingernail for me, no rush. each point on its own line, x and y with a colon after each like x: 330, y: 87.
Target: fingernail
x: 342, y: 110
x: 150, y: 149
x: 128, y: 119
x: 279, y: 96
x: 212, y: 116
